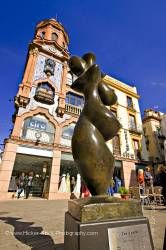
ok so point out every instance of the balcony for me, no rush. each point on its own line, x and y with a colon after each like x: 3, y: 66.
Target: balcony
x: 44, y: 96
x: 69, y: 108
x: 137, y: 129
x: 131, y: 107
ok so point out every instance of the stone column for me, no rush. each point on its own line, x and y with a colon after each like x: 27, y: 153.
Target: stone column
x: 64, y: 78
x: 28, y: 67
x: 61, y: 103
x: 54, y: 178
x: 34, y: 52
x: 49, y: 31
x: 17, y: 127
x: 24, y: 88
x: 6, y: 168
x: 129, y: 174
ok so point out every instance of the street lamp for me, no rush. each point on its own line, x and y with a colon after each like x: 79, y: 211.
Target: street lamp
x: 38, y: 136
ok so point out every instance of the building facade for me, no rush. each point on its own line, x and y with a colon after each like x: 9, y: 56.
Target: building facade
x: 154, y: 125
x: 47, y: 110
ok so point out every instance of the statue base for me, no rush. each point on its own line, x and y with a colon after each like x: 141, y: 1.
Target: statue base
x: 106, y: 223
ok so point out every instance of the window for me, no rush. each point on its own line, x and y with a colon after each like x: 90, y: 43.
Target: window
x: 54, y: 37
x: 49, y: 66
x: 38, y: 128
x: 129, y: 102
x: 116, y: 145
x: 74, y: 99
x: 42, y: 34
x: 132, y: 122
x: 136, y: 144
x: 136, y: 149
x: 67, y: 132
x: 158, y: 130
x: 144, y: 129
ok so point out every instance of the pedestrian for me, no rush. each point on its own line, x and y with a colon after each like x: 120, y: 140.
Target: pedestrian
x: 29, y: 184
x: 148, y: 179
x: 140, y: 179
x: 161, y: 181
x: 84, y: 190
x: 20, y: 185
x: 110, y: 190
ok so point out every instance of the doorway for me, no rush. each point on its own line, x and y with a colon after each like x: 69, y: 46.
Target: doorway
x: 40, y: 167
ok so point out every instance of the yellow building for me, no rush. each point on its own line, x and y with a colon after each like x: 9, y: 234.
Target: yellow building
x: 154, y: 125
x: 47, y: 110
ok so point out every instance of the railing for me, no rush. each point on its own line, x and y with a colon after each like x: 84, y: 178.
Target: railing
x: 131, y: 107
x: 135, y: 128
x: 69, y: 108
x: 45, y: 96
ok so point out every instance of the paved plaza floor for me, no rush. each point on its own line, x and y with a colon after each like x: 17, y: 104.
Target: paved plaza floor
x: 39, y: 224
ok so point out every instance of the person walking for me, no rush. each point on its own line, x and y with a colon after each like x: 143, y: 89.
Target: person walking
x: 148, y: 179
x: 110, y: 190
x: 29, y: 184
x: 20, y: 185
x: 161, y: 181
x: 140, y: 179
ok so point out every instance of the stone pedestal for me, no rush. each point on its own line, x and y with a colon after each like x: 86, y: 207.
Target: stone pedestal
x: 106, y: 223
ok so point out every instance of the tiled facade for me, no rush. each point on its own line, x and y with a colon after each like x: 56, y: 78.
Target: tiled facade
x: 46, y: 113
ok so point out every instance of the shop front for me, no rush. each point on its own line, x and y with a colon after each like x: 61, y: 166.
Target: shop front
x: 37, y: 166
x: 68, y: 173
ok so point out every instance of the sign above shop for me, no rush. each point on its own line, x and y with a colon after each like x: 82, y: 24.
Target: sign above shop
x: 36, y: 124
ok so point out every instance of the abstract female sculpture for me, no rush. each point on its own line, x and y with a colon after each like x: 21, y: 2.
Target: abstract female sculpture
x: 95, y: 126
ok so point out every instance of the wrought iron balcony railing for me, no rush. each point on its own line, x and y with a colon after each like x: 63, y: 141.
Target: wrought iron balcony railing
x: 69, y: 108
x: 45, y: 96
x: 135, y: 128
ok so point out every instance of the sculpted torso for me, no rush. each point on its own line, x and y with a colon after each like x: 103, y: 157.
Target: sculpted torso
x: 95, y: 126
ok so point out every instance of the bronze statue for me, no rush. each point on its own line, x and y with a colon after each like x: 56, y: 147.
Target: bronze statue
x: 95, y: 126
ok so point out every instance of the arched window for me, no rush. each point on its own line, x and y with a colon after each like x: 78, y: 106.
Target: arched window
x: 67, y: 133
x: 44, y: 93
x: 39, y: 129
x: 42, y: 34
x: 54, y: 36
x: 74, y: 99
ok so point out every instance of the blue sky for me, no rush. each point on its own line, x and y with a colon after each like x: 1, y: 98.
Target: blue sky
x: 127, y: 36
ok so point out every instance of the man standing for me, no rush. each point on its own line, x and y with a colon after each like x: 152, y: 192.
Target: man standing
x: 20, y: 185
x: 29, y: 184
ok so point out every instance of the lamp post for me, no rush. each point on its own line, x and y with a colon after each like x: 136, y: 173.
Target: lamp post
x: 38, y: 136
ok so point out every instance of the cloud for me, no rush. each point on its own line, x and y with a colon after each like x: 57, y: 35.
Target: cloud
x: 159, y: 84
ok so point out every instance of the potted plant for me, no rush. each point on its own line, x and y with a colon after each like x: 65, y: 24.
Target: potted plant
x: 124, y: 193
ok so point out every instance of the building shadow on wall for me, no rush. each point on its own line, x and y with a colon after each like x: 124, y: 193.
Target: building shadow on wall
x: 31, y: 235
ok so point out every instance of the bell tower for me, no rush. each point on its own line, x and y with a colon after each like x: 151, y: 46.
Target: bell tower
x: 46, y: 61
x: 39, y: 108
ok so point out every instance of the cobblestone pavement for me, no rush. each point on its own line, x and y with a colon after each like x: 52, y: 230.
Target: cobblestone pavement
x: 22, y: 221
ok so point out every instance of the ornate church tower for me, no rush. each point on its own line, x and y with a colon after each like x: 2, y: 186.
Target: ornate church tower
x: 39, y: 115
